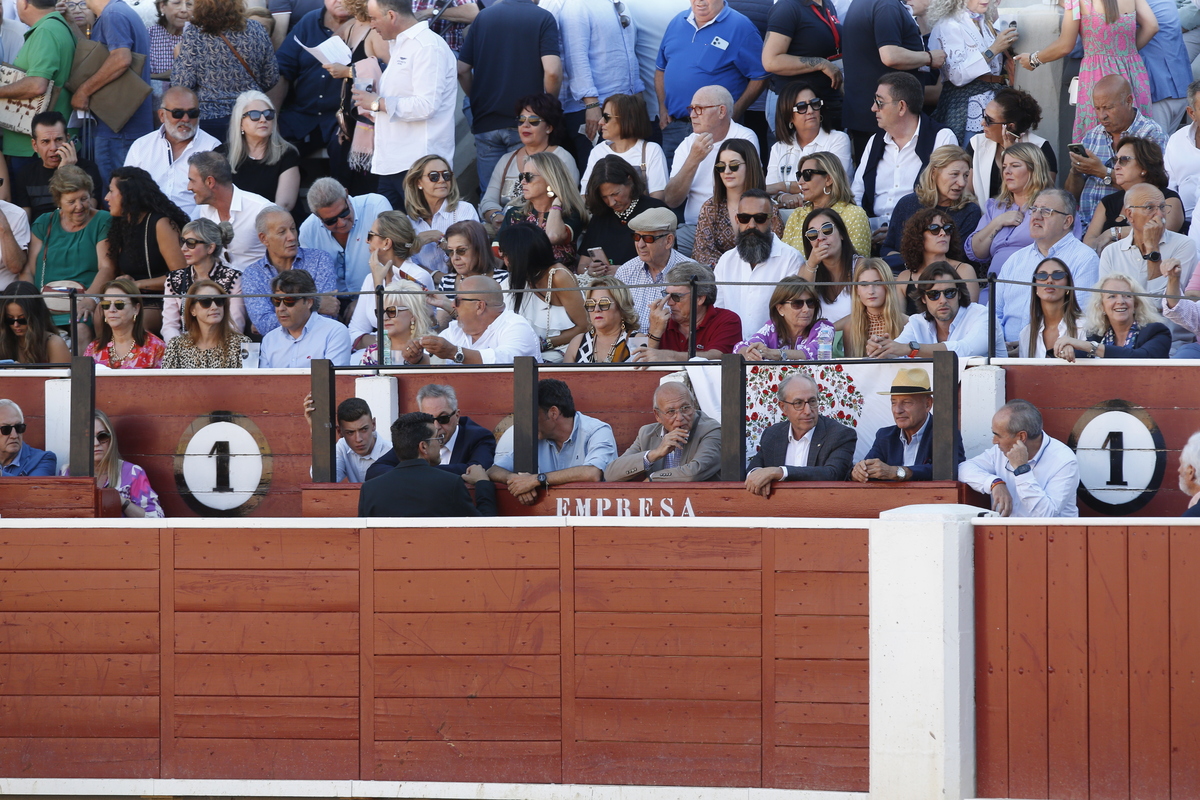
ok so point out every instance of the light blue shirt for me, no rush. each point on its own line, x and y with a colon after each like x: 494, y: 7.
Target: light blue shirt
x: 321, y: 338
x: 911, y: 448
x: 1012, y: 301
x: 591, y: 444
x: 599, y: 56
x: 350, y: 262
x: 1165, y: 55
x: 256, y: 279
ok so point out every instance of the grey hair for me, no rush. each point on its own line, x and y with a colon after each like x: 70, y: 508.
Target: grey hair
x: 1024, y: 416
x: 678, y: 386
x: 260, y: 222
x: 325, y: 192
x: 401, y: 7
x: 1068, y: 199
x: 1193, y: 87
x: 706, y: 282
x: 210, y: 164
x: 6, y: 403
x: 718, y: 95
x: 1190, y: 454
x: 797, y: 375
x: 431, y: 391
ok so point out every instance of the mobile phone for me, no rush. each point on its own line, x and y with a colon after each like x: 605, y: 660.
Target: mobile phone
x: 597, y: 254
x: 1078, y: 149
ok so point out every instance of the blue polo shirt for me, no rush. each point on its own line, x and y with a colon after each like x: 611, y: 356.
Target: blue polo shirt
x: 725, y: 52
x: 315, y: 95
x: 1166, y: 55
x: 31, y: 461
x: 117, y: 27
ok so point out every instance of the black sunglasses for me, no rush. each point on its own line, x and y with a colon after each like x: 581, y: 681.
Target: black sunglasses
x: 759, y: 219
x: 607, y: 117
x: 103, y: 437
x: 5, y: 430
x: 673, y: 297
x: 277, y: 301
x: 1057, y: 275
x: 329, y: 222
x: 256, y: 115
x: 807, y: 174
x: 936, y: 294
x: 16, y: 321
x: 207, y: 302
x: 190, y: 243
x: 180, y: 113
x: 825, y: 230
x: 444, y: 419
x: 802, y: 106
x: 732, y: 166
x: 933, y: 227
x: 527, y: 177
x: 446, y: 175
x: 799, y: 303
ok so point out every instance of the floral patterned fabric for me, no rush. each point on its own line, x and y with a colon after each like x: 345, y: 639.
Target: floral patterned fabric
x: 148, y: 356
x: 769, y: 336
x: 715, y: 234
x: 1107, y: 50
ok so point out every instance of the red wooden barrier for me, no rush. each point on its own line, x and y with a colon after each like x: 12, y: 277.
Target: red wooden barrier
x: 30, y: 498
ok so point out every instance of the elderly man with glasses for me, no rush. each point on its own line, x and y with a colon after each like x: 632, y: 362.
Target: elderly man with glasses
x: 805, y: 446
x: 277, y: 231
x: 718, y: 330
x: 466, y: 443
x: 18, y: 459
x: 485, y: 332
x: 681, y: 445
x: 164, y: 153
x: 654, y: 239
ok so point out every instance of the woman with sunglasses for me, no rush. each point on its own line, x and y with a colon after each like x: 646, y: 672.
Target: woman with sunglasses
x: 544, y: 292
x: 1054, y: 311
x: 1004, y: 227
x: 263, y: 163
x: 830, y: 260
x: 875, y: 308
x: 823, y: 184
x: 944, y: 184
x: 204, y: 242
x: 612, y: 319
x: 28, y: 335
x: 138, y: 499
x: 795, y: 325
x: 1008, y: 119
x: 143, y: 242
x: 1121, y: 322
x: 406, y: 319
x: 801, y: 129
x: 736, y: 169
x: 550, y: 201
x: 542, y: 130
x: 433, y: 204
x: 931, y: 235
x: 210, y: 342
x: 122, y: 341
x: 625, y: 133
x: 392, y: 243
x: 1138, y: 160
x: 469, y: 253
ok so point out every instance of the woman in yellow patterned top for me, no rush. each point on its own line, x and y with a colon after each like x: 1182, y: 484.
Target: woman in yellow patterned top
x: 824, y: 184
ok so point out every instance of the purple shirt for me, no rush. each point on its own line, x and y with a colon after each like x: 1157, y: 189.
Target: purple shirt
x: 770, y: 337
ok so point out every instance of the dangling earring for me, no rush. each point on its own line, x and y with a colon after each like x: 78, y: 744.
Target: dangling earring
x: 412, y: 328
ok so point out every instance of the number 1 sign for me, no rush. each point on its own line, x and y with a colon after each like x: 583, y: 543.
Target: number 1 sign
x: 223, y: 465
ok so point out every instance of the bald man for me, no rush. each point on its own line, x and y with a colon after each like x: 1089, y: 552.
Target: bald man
x: 681, y: 445
x: 485, y: 332
x: 164, y: 152
x: 1090, y: 177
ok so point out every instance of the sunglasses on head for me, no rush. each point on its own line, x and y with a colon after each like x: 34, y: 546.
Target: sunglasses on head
x: 180, y: 113
x: 604, y: 304
x: 1057, y: 275
x: 255, y: 115
x: 208, y: 301
x: 329, y: 222
x: 529, y: 120
x: 933, y: 227
x: 103, y: 437
x: 802, y: 106
x: 392, y: 311
x: 278, y: 301
x: 936, y: 294
x: 119, y: 305
x: 648, y: 238
x: 825, y: 230
x: 732, y: 166
x: 5, y: 430
x: 444, y: 419
x: 807, y: 174
x: 798, y: 303
x: 435, y: 176
x: 16, y: 321
x: 759, y: 219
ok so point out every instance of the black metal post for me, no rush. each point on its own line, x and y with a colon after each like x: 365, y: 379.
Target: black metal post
x: 381, y: 338
x: 945, y: 417
x: 692, y: 335
x: 324, y: 454
x: 733, y: 417
x: 525, y: 408
x: 991, y: 282
x: 74, y: 329
x: 83, y: 415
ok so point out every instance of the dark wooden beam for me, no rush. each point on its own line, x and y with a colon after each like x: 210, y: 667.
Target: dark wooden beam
x: 83, y: 415
x: 525, y: 407
x: 324, y: 426
x: 733, y: 417
x: 945, y: 417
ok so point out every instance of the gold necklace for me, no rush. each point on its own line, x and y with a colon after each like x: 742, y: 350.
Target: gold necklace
x: 112, y: 352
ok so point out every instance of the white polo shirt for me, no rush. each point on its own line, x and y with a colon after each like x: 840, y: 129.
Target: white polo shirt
x: 153, y: 153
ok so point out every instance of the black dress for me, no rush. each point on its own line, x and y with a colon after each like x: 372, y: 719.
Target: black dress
x: 263, y: 179
x: 141, y: 259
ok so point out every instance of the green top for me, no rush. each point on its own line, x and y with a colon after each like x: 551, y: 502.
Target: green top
x: 68, y: 256
x: 48, y: 52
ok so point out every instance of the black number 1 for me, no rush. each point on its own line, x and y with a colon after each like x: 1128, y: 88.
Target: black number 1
x: 1115, y: 442
x: 221, y: 451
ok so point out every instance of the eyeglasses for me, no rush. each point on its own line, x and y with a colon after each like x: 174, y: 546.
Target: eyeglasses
x: 119, y: 305
x: 732, y: 166
x: 16, y: 321
x: 1042, y: 211
x: 441, y: 437
x: 278, y: 301
x: 392, y: 311
x: 5, y: 430
x: 813, y: 403
x: 759, y: 219
x: 103, y: 437
x: 946, y: 227
x: 621, y: 13
x: 1057, y: 275
x: 209, y: 302
x: 676, y: 297
x: 529, y: 120
x: 192, y: 243
x: 607, y: 117
x: 435, y: 176
x: 459, y: 300
x: 604, y: 304
x: 880, y: 103
x: 461, y: 252
x: 444, y: 419
x: 936, y: 294
x: 802, y: 107
x: 807, y: 174
x: 527, y: 177
x: 695, y: 111
x: 648, y: 238
x: 825, y: 230
x: 255, y: 115
x: 989, y: 122
x: 180, y: 113
x: 1126, y: 159
x: 798, y: 303
x: 682, y: 411
x: 329, y: 222
x: 1161, y: 207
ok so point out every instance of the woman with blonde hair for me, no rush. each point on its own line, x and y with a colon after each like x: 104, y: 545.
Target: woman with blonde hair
x: 203, y: 243
x: 612, y: 319
x: 262, y: 162
x: 209, y: 340
x: 551, y: 201
x: 875, y: 308
x: 944, y: 184
x: 138, y: 498
x: 392, y: 243
x: 823, y: 184
x: 406, y: 318
x: 1121, y: 323
x: 433, y: 204
x: 794, y: 327
x: 1004, y: 227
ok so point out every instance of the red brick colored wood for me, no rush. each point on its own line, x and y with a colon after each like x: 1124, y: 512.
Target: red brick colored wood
x: 767, y: 714
x: 820, y: 637
x: 701, y: 591
x: 991, y: 660
x: 615, y: 633
x: 264, y: 548
x: 821, y: 593
x: 78, y: 590
x: 166, y: 621
x: 820, y: 681
x: 258, y: 632
x: 79, y: 717
x: 1185, y: 656
x: 266, y: 717
x: 51, y: 498
x: 266, y: 590
x: 829, y: 768
x: 94, y: 548
x: 462, y: 590
x: 1067, y: 654
x: 1028, y: 766
x: 1149, y: 663
x: 275, y: 675
x: 671, y: 764
x: 466, y: 548
x: 79, y: 674
x: 468, y: 719
x: 504, y: 761
x: 106, y: 757
x: 821, y: 550
x: 456, y: 632
x: 690, y: 721
x: 78, y: 632
x: 633, y: 548
x: 655, y: 678
x: 367, y: 731
x: 1108, y: 661
x: 267, y: 759
x: 467, y: 676
x: 568, y: 702
x: 821, y: 724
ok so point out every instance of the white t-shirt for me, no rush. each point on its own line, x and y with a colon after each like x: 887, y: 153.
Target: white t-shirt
x: 655, y: 172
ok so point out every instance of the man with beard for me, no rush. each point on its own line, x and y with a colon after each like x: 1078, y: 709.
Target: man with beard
x: 51, y: 150
x: 760, y: 258
x: 164, y: 153
x: 950, y: 322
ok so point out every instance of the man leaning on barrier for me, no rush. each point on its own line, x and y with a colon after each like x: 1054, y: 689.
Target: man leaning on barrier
x: 18, y: 459
x: 683, y: 445
x: 904, y: 451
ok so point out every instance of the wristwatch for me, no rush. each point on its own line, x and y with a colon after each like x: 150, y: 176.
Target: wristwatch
x: 1153, y: 255
x: 1107, y: 179
x: 1021, y: 470
x: 543, y: 480
x: 901, y: 474
x: 375, y: 105
x: 458, y: 355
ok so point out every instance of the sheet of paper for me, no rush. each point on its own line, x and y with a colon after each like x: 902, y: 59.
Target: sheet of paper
x: 331, y: 51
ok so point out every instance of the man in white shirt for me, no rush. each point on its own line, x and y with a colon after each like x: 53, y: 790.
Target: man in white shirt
x: 164, y: 153
x: 1182, y: 156
x: 760, y: 257
x: 895, y: 158
x: 692, y: 167
x: 359, y: 445
x: 14, y: 241
x: 210, y: 180
x: 950, y: 321
x: 485, y: 331
x: 414, y: 109
x: 1027, y: 472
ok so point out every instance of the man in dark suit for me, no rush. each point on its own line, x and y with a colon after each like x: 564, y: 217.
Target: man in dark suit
x: 415, y: 488
x: 904, y: 451
x: 806, y: 446
x: 466, y: 442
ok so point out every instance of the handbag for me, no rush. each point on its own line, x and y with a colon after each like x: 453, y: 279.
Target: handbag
x: 117, y: 101
x: 56, y: 293
x: 17, y: 115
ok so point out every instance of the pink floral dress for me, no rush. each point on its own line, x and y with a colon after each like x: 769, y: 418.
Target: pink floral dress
x: 1107, y: 50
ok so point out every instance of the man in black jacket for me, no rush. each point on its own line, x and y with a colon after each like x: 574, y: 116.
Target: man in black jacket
x: 415, y: 488
x: 465, y: 442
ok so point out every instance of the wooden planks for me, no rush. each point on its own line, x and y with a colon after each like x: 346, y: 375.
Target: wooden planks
x: 1067, y: 655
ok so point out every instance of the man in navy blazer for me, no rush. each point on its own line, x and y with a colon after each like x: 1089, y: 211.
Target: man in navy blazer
x: 805, y: 446
x: 466, y: 442
x: 904, y: 451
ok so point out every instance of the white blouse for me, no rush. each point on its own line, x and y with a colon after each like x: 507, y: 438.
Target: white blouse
x: 784, y: 162
x: 964, y: 43
x: 655, y: 173
x: 1023, y: 340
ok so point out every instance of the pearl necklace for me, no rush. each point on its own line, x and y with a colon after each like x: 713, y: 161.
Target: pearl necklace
x: 627, y: 213
x: 112, y: 352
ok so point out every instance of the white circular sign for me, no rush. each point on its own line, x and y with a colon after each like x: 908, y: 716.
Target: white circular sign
x: 1117, y: 457
x: 222, y: 465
